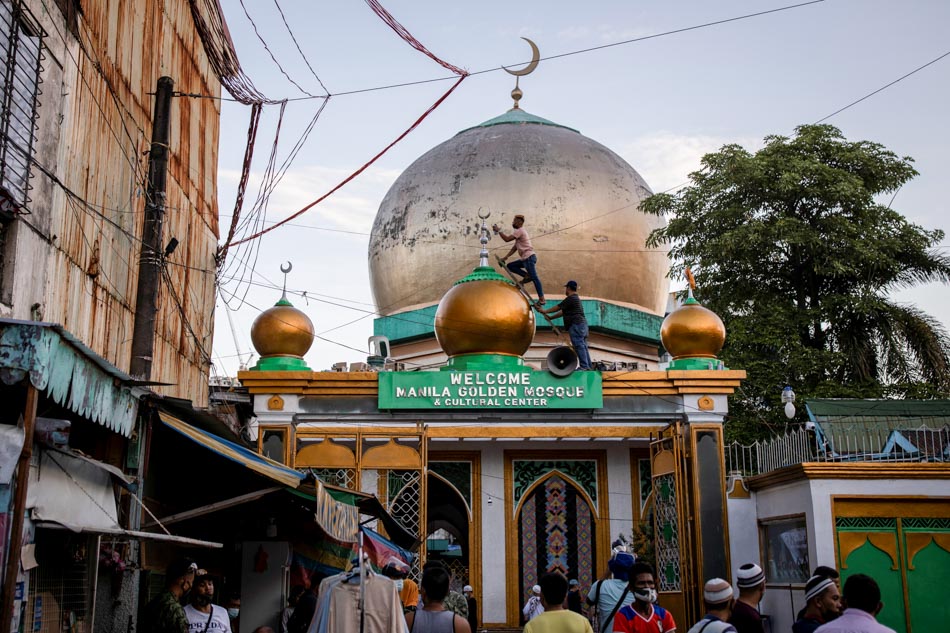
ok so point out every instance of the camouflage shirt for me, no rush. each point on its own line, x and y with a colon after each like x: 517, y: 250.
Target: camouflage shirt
x: 456, y: 602
x: 164, y: 615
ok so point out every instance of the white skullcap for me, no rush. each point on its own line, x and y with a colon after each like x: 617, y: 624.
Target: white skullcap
x: 815, y: 585
x: 717, y: 590
x: 749, y: 575
x: 467, y: 588
x: 536, y: 589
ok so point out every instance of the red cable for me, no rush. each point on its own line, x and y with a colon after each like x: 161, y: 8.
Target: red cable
x: 358, y: 171
x: 407, y: 36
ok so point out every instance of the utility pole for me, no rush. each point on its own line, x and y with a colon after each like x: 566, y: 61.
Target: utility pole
x: 150, y: 258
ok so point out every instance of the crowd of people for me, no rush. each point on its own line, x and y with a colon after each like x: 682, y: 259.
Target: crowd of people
x: 625, y: 600
x: 184, y: 581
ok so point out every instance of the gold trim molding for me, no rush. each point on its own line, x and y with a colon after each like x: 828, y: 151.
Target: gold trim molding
x: 916, y: 541
x: 848, y: 542
x: 853, y: 470
x: 615, y: 383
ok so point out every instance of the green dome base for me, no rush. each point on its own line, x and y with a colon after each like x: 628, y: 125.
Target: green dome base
x: 281, y: 363
x: 696, y: 363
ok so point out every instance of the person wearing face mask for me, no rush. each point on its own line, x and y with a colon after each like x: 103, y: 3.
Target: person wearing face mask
x: 233, y: 606
x: 204, y: 617
x: 164, y: 614
x: 406, y: 587
x: 718, y: 599
x: 644, y: 615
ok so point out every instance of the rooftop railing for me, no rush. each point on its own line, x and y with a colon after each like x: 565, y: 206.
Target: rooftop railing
x: 838, y: 445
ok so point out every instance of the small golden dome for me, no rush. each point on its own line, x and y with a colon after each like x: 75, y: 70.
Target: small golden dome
x: 484, y: 313
x: 282, y: 331
x: 692, y: 331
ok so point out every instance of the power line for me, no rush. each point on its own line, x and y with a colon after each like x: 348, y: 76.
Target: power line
x: 550, y: 57
x: 882, y: 88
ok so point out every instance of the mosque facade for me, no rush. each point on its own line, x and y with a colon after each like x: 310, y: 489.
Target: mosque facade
x: 504, y: 469
x: 465, y: 425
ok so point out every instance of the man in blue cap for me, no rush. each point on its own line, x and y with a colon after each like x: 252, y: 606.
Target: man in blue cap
x: 612, y: 592
x: 574, y: 321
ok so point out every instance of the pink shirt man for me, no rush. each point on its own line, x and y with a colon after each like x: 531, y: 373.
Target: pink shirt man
x: 523, y: 243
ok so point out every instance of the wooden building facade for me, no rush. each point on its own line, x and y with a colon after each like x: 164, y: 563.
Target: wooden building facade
x: 77, y: 106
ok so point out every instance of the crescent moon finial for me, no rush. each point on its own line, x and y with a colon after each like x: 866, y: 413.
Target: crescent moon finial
x: 517, y: 94
x: 487, y: 213
x: 289, y: 267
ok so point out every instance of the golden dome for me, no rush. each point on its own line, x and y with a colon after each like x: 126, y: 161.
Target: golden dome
x: 484, y: 314
x: 692, y: 331
x: 282, y: 331
x: 581, y: 196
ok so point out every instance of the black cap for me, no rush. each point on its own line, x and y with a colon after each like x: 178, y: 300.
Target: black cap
x: 571, y: 284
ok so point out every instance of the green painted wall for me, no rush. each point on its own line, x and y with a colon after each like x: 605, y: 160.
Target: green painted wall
x: 601, y: 317
x: 927, y: 574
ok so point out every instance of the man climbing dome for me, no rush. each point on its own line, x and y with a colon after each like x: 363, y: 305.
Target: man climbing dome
x: 526, y: 266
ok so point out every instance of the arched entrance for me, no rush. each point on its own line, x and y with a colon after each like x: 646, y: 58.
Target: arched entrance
x: 557, y: 532
x: 448, y: 529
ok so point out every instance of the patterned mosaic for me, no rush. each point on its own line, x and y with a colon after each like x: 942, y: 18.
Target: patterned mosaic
x: 342, y: 477
x: 926, y: 524
x: 556, y: 531
x: 459, y: 474
x: 667, y: 534
x: 404, y: 498
x: 865, y: 523
x: 581, y: 472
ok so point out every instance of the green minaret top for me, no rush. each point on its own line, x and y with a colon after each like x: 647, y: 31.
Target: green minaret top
x: 517, y: 116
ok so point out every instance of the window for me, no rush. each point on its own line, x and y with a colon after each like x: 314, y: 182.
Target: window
x: 785, y: 543
x: 20, y: 57
x: 273, y: 444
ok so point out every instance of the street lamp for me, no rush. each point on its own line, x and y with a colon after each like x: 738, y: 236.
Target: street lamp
x: 788, y: 397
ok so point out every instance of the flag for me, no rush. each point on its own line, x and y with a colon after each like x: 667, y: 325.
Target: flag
x: 380, y: 550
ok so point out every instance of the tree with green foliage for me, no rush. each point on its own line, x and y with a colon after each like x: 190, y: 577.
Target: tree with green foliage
x: 797, y: 249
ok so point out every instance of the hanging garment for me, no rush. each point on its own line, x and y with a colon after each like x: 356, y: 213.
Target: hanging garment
x: 338, y: 609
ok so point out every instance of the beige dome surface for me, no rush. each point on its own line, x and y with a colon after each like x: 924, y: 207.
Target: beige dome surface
x: 568, y: 186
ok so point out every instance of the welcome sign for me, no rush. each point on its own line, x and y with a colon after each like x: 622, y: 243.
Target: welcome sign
x: 520, y: 388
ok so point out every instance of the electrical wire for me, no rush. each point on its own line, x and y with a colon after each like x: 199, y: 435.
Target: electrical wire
x: 883, y: 88
x: 299, y: 50
x: 550, y: 57
x: 271, y: 54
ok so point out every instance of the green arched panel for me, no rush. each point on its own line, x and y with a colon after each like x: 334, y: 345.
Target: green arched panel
x: 869, y: 560
x: 927, y: 585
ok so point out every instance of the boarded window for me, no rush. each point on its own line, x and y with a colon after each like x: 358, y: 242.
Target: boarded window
x: 20, y: 63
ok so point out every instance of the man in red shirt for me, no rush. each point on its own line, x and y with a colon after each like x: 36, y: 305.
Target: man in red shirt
x: 643, y: 616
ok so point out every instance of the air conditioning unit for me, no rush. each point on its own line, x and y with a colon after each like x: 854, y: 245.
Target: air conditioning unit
x: 341, y: 366
x: 359, y: 367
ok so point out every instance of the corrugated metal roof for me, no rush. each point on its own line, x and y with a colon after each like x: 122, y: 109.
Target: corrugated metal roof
x: 865, y: 426
x: 852, y: 408
x: 56, y: 362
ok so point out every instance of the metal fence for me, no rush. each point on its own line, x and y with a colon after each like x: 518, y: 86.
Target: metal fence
x: 802, y: 445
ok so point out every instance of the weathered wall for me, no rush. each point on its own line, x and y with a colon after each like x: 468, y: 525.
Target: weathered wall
x: 94, y: 131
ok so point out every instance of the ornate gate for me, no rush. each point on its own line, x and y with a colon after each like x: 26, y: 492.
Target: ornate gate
x: 672, y: 529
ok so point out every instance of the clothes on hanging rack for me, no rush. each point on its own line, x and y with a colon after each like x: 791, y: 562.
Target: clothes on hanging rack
x: 338, y: 606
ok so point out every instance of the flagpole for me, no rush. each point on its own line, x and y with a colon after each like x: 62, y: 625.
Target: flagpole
x: 362, y: 583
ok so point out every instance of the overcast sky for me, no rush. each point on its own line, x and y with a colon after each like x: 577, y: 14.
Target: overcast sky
x: 660, y: 103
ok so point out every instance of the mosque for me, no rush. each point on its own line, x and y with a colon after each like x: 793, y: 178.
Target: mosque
x: 465, y: 425
x: 503, y: 468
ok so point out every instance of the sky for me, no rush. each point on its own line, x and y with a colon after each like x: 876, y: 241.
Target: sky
x: 660, y: 103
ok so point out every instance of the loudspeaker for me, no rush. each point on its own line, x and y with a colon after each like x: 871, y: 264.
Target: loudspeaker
x: 562, y: 361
